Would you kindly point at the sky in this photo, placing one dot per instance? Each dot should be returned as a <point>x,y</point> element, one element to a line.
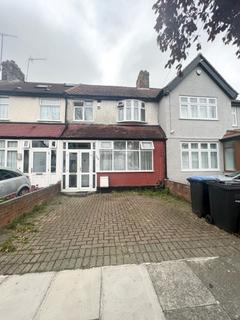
<point>96,42</point>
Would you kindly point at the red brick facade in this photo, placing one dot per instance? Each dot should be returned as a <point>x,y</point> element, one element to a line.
<point>140,179</point>
<point>179,189</point>
<point>16,207</point>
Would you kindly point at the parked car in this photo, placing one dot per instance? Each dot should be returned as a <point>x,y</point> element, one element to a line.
<point>13,182</point>
<point>229,177</point>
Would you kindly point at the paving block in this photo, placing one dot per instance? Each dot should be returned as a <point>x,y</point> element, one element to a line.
<point>177,286</point>
<point>223,280</point>
<point>21,296</point>
<point>73,295</point>
<point>127,293</point>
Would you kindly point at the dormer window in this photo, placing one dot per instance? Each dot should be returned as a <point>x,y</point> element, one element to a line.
<point>131,110</point>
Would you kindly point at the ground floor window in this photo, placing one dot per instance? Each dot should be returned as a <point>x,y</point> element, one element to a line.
<point>202,156</point>
<point>126,155</point>
<point>8,153</point>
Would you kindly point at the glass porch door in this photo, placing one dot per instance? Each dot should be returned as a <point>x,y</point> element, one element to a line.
<point>79,173</point>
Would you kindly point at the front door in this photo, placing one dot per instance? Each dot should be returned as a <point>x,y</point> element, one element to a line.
<point>79,173</point>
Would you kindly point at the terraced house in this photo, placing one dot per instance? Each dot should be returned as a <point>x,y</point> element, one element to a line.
<point>91,136</point>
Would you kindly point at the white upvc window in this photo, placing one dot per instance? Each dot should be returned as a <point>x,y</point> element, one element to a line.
<point>83,110</point>
<point>8,153</point>
<point>50,109</point>
<point>127,156</point>
<point>131,110</point>
<point>199,156</point>
<point>4,103</point>
<point>198,108</point>
<point>234,117</point>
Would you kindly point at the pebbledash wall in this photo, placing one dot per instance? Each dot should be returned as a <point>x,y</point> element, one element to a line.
<point>16,207</point>
<point>138,179</point>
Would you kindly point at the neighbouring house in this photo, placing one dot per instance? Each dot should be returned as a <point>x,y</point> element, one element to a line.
<point>93,136</point>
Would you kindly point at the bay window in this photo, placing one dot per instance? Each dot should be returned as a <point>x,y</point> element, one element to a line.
<point>4,102</point>
<point>199,156</point>
<point>201,108</point>
<point>49,109</point>
<point>126,155</point>
<point>131,110</point>
<point>83,110</point>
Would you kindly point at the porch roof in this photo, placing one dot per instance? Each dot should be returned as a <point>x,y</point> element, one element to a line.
<point>31,130</point>
<point>231,135</point>
<point>113,132</point>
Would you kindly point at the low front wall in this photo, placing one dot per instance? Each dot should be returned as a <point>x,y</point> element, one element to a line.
<point>180,189</point>
<point>16,207</point>
<point>140,179</point>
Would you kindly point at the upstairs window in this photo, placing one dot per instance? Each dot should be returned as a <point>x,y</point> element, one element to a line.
<point>131,110</point>
<point>4,108</point>
<point>198,108</point>
<point>49,109</point>
<point>234,117</point>
<point>83,110</point>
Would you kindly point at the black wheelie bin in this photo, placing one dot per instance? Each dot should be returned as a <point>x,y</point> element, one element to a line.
<point>199,194</point>
<point>225,205</point>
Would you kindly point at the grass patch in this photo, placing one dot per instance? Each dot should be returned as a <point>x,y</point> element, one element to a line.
<point>21,228</point>
<point>164,194</point>
<point>8,246</point>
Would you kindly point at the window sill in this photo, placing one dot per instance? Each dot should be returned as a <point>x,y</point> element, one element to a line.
<point>132,121</point>
<point>83,121</point>
<point>129,171</point>
<point>200,119</point>
<point>50,121</point>
<point>200,170</point>
<point>5,120</point>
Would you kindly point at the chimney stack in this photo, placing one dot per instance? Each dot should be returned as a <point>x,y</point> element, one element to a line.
<point>143,79</point>
<point>11,71</point>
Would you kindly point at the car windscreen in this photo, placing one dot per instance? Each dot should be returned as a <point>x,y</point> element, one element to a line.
<point>232,174</point>
<point>7,174</point>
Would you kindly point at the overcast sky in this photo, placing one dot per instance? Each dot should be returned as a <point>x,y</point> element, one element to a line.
<point>96,42</point>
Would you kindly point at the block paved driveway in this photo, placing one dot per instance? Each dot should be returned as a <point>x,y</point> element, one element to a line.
<point>116,228</point>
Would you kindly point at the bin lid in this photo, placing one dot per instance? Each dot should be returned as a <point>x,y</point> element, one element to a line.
<point>202,178</point>
<point>225,185</point>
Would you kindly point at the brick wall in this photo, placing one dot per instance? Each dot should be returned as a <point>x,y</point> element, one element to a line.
<point>140,179</point>
<point>180,189</point>
<point>16,207</point>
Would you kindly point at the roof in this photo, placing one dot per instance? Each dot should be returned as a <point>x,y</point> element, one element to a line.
<point>31,130</point>
<point>236,103</point>
<point>21,88</point>
<point>113,92</point>
<point>231,135</point>
<point>201,61</point>
<point>113,132</point>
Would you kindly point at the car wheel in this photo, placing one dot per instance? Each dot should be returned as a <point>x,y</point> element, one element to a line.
<point>23,191</point>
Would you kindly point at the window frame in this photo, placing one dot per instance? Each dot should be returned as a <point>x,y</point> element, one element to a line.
<point>57,105</point>
<point>124,105</point>
<point>7,149</point>
<point>234,116</point>
<point>7,108</point>
<point>83,107</point>
<point>199,150</point>
<point>198,104</point>
<point>126,150</point>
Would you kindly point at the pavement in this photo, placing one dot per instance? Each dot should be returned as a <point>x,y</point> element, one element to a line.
<point>112,229</point>
<point>189,289</point>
